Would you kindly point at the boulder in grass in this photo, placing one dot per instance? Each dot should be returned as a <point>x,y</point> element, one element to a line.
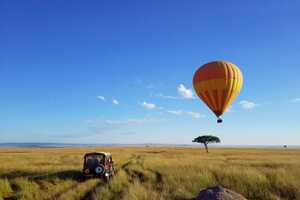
<point>219,193</point>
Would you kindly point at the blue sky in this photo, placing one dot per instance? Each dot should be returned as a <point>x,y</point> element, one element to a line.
<point>121,71</point>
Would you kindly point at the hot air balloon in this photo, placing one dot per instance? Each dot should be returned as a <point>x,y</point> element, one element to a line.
<point>217,84</point>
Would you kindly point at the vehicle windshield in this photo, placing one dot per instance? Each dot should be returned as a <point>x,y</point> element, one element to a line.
<point>94,160</point>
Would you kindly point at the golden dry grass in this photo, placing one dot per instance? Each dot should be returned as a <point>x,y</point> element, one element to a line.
<point>150,173</point>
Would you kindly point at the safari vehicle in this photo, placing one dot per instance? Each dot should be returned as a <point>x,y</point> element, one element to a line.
<point>98,165</point>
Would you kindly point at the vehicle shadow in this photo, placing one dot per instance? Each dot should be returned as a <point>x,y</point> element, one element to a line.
<point>40,176</point>
<point>62,175</point>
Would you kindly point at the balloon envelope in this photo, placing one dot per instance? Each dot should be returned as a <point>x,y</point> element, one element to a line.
<point>218,83</point>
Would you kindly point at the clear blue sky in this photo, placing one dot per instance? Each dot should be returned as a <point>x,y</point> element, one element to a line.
<point>121,71</point>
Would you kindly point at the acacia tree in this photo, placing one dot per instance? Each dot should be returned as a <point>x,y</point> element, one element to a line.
<point>206,139</point>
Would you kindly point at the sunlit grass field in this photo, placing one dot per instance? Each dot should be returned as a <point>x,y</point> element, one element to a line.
<point>150,173</point>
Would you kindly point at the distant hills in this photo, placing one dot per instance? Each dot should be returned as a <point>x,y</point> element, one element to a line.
<point>62,145</point>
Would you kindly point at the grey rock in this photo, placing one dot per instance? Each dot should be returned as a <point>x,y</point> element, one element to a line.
<point>219,193</point>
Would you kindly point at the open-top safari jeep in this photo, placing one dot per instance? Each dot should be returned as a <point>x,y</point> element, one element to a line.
<point>98,165</point>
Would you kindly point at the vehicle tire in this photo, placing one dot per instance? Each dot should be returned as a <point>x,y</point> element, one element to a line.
<point>82,178</point>
<point>112,173</point>
<point>106,178</point>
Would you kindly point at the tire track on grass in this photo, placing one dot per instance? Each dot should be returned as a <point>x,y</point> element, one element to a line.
<point>73,187</point>
<point>140,176</point>
<point>89,195</point>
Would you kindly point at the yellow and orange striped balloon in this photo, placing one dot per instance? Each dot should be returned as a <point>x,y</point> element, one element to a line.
<point>218,83</point>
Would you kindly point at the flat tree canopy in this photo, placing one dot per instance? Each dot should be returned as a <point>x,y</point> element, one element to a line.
<point>206,139</point>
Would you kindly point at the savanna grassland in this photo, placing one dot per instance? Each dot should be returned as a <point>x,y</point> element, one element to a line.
<point>150,173</point>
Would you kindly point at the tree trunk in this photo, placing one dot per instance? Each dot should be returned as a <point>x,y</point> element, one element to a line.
<point>206,148</point>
